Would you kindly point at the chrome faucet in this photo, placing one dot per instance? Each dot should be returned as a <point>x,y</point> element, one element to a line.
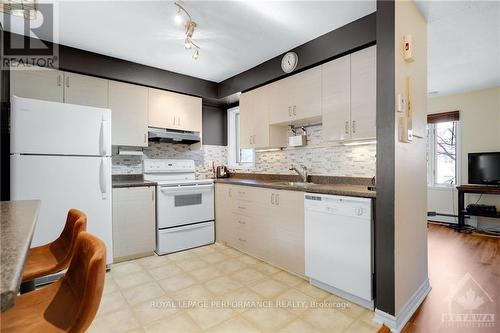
<point>303,174</point>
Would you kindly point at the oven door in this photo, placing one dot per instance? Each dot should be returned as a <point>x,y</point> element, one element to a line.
<point>179,205</point>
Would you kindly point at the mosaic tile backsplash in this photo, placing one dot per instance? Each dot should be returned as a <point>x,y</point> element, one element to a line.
<point>319,157</point>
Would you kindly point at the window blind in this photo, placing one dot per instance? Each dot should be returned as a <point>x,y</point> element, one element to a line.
<point>443,116</point>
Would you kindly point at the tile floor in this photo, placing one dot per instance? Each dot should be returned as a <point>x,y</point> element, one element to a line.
<point>218,289</point>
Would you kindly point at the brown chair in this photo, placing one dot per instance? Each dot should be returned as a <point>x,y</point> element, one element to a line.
<point>69,304</point>
<point>56,256</point>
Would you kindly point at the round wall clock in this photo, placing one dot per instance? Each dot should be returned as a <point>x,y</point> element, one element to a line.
<point>289,62</point>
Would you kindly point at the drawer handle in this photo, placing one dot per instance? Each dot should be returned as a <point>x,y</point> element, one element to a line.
<point>242,240</point>
<point>272,198</point>
<point>239,207</point>
<point>347,127</point>
<point>242,222</point>
<point>241,193</point>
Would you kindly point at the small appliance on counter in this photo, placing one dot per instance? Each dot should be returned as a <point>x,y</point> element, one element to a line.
<point>184,205</point>
<point>222,172</point>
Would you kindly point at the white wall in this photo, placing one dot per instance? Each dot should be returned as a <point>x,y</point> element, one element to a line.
<point>410,202</point>
<point>479,132</point>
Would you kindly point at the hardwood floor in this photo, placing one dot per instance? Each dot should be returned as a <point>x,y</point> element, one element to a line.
<point>452,257</point>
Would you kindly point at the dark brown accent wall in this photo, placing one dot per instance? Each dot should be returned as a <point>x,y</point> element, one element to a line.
<point>346,39</point>
<point>384,212</point>
<point>214,124</point>
<point>4,132</point>
<point>94,64</point>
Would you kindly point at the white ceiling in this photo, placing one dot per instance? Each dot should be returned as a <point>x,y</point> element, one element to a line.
<point>463,36</point>
<point>463,45</point>
<point>233,35</point>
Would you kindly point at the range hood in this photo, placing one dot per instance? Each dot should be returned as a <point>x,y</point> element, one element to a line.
<point>173,136</point>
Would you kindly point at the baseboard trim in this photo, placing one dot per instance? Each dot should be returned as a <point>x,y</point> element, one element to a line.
<point>398,322</point>
<point>350,297</point>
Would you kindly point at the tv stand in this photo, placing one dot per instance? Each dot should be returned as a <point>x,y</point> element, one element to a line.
<point>479,189</point>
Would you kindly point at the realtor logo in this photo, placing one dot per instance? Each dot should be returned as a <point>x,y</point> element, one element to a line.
<point>20,52</point>
<point>469,305</point>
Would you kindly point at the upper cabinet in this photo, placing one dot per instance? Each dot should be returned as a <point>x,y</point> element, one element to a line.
<point>336,92</point>
<point>45,84</point>
<point>85,90</point>
<point>129,111</point>
<point>297,98</point>
<point>349,97</point>
<point>174,111</point>
<point>255,131</point>
<point>58,86</point>
<point>364,93</point>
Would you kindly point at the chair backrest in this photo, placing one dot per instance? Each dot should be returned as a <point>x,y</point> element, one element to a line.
<point>85,277</point>
<point>76,222</point>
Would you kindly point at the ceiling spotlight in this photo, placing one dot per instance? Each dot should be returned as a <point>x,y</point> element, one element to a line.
<point>196,54</point>
<point>190,27</point>
<point>178,16</point>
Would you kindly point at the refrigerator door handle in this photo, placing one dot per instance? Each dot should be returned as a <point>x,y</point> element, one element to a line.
<point>102,177</point>
<point>104,137</point>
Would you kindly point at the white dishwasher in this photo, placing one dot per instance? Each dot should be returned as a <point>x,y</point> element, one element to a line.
<point>339,247</point>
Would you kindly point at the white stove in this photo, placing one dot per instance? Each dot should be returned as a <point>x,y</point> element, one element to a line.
<point>184,205</point>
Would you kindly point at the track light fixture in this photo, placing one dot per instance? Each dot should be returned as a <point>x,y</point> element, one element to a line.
<point>190,26</point>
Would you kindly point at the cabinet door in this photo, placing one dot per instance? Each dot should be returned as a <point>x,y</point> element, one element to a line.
<point>247,119</point>
<point>280,101</point>
<point>223,225</point>
<point>44,84</point>
<point>129,111</point>
<point>305,93</point>
<point>363,93</point>
<point>85,90</point>
<point>159,113</point>
<point>286,233</point>
<point>133,221</point>
<point>336,97</point>
<point>260,117</point>
<point>188,113</point>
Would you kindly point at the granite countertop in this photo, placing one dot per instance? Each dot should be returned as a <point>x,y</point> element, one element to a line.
<point>17,224</point>
<point>130,181</point>
<point>347,186</point>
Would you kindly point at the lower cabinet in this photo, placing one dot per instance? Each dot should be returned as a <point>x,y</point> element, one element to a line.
<point>133,222</point>
<point>266,223</point>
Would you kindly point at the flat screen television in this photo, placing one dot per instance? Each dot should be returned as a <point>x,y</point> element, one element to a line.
<point>484,168</point>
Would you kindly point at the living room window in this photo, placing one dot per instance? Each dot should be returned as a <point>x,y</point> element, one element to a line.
<point>442,149</point>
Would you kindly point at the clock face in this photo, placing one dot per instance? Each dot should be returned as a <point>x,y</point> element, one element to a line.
<point>289,62</point>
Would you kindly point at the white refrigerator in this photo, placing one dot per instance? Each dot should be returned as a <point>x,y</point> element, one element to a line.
<point>61,155</point>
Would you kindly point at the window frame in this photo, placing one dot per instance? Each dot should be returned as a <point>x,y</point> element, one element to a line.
<point>233,141</point>
<point>431,151</point>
